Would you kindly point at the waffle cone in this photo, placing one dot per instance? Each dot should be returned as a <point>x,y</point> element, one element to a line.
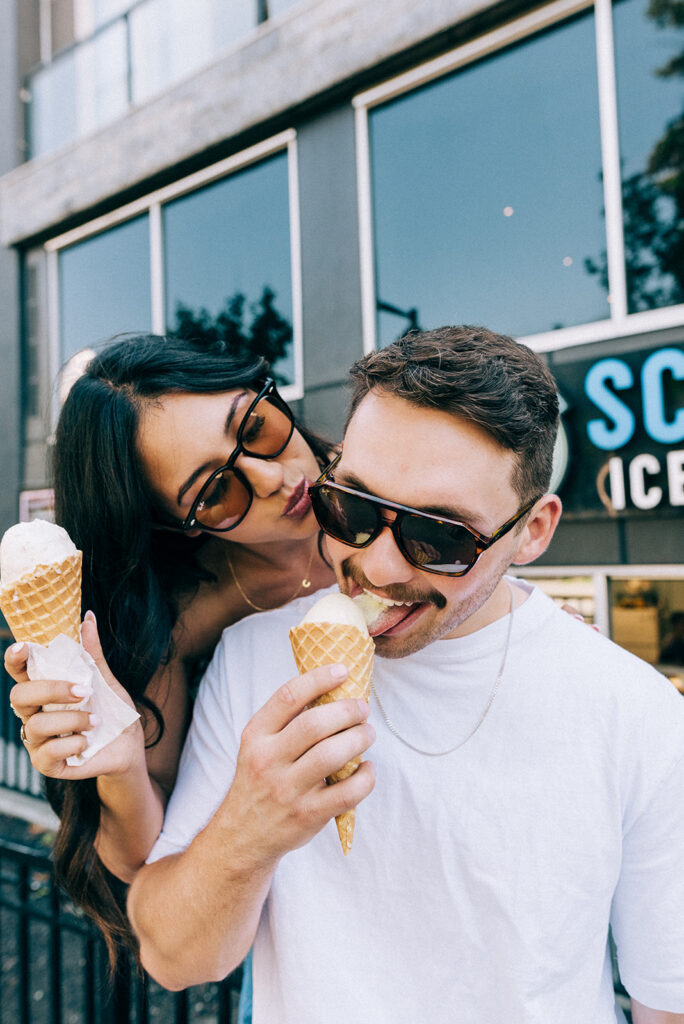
<point>325,643</point>
<point>41,605</point>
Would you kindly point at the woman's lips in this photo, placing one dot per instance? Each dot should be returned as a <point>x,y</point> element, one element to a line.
<point>299,502</point>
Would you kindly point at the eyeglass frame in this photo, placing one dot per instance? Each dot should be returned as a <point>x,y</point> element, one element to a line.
<point>482,542</point>
<point>268,391</point>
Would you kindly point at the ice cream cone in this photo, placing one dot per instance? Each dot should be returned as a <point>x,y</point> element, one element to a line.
<point>324,643</point>
<point>45,602</point>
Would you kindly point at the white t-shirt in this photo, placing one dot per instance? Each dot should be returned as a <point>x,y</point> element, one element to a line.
<point>481,884</point>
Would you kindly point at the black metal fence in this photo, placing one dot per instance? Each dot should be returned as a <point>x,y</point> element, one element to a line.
<point>53,964</point>
<point>16,770</point>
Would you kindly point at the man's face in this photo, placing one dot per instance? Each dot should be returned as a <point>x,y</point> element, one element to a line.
<point>439,463</point>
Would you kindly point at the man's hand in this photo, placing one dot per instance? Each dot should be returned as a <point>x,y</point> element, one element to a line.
<point>279,795</point>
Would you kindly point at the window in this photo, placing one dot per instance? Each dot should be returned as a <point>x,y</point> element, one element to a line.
<point>171,39</point>
<point>648,56</point>
<point>215,255</point>
<point>487,194</point>
<point>227,262</point>
<point>104,286</point>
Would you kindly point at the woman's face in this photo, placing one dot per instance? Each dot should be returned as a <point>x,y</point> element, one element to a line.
<point>183,438</point>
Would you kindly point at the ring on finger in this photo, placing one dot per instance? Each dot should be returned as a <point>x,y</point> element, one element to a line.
<point>22,735</point>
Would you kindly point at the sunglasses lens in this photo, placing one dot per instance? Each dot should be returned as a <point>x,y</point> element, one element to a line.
<point>267,429</point>
<point>441,547</point>
<point>346,517</point>
<point>223,502</point>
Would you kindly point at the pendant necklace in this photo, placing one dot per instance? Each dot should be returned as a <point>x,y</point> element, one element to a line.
<point>304,584</point>
<point>490,700</point>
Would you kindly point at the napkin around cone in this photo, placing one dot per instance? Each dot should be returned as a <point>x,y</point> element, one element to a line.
<point>63,658</point>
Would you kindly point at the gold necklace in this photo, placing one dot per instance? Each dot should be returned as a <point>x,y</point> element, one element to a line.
<point>442,753</point>
<point>304,584</point>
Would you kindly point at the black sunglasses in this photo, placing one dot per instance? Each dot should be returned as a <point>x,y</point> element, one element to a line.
<point>431,543</point>
<point>226,496</point>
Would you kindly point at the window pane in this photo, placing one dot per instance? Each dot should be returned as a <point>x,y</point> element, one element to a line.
<point>104,285</point>
<point>487,195</point>
<point>82,89</point>
<point>171,39</point>
<point>651,124</point>
<point>227,260</point>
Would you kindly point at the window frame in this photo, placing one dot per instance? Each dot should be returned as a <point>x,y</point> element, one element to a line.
<point>619,323</point>
<point>152,204</point>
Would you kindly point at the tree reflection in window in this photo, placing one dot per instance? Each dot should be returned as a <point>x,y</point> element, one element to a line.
<point>653,199</point>
<point>267,334</point>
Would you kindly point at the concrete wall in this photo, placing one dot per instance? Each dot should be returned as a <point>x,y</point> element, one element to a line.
<point>10,379</point>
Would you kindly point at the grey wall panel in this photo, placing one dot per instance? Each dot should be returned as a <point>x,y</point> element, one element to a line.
<point>330,265</point>
<point>10,386</point>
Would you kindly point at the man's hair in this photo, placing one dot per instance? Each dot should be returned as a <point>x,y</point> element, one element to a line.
<point>488,379</point>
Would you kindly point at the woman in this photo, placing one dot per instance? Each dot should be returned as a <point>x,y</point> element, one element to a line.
<point>180,474</point>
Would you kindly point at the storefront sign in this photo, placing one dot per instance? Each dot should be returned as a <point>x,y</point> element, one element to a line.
<point>625,423</point>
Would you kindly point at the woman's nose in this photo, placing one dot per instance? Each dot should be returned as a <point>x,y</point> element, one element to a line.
<point>265,475</point>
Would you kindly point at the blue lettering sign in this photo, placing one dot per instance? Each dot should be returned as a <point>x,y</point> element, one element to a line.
<point>618,432</point>
<point>655,419</point>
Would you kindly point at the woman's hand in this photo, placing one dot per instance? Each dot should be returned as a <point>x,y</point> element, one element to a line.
<point>50,737</point>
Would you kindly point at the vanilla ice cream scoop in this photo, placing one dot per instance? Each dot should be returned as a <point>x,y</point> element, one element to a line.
<point>338,609</point>
<point>27,545</point>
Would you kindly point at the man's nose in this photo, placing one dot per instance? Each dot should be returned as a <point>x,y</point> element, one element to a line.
<point>264,475</point>
<point>382,562</point>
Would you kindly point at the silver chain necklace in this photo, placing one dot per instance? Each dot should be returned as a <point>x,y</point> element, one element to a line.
<point>442,753</point>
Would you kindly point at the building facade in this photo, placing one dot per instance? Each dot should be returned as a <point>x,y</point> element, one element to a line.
<point>314,178</point>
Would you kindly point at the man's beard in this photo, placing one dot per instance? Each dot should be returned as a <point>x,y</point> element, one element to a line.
<point>416,639</point>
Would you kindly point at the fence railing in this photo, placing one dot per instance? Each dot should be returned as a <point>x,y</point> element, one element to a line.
<point>16,770</point>
<point>53,963</point>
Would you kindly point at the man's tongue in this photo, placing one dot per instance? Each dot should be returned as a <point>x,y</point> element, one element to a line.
<point>389,617</point>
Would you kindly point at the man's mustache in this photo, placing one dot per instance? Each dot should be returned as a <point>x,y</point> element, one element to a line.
<point>395,591</point>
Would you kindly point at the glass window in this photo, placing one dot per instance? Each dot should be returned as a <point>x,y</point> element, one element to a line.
<point>104,286</point>
<point>647,618</point>
<point>276,7</point>
<point>80,91</point>
<point>171,39</point>
<point>649,49</point>
<point>106,10</point>
<point>487,193</point>
<point>227,262</point>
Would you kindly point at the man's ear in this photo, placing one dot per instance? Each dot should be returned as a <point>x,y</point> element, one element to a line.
<point>538,530</point>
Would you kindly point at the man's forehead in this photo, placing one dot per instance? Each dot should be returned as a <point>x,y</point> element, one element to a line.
<point>425,457</point>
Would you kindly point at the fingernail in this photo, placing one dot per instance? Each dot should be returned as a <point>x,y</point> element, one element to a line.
<point>94,720</point>
<point>363,706</point>
<point>90,617</point>
<point>338,671</point>
<point>81,690</point>
<point>88,736</point>
<point>580,618</point>
<point>16,648</point>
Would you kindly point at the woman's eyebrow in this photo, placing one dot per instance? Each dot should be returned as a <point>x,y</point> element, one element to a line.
<point>183,489</point>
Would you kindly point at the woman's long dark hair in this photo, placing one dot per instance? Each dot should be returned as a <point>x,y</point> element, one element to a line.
<point>132,573</point>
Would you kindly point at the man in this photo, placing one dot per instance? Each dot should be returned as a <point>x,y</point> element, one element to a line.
<point>527,789</point>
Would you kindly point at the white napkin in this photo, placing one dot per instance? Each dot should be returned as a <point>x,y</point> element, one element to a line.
<point>63,658</point>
